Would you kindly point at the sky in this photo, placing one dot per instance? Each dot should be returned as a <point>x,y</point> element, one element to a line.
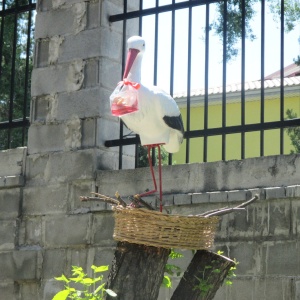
<point>253,64</point>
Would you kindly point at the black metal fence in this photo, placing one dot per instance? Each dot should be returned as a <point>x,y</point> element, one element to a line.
<point>233,28</point>
<point>16,48</point>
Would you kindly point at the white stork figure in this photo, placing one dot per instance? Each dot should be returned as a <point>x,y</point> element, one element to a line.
<point>158,120</point>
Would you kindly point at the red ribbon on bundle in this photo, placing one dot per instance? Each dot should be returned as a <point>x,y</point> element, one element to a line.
<point>133,84</point>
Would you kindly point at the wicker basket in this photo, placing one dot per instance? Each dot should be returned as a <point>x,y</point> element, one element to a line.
<point>151,228</point>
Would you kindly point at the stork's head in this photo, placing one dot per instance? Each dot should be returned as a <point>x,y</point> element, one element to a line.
<point>136,46</point>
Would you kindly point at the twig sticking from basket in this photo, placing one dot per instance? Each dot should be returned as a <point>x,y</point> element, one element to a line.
<point>137,202</point>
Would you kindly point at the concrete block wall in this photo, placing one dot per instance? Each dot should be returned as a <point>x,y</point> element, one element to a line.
<point>45,228</point>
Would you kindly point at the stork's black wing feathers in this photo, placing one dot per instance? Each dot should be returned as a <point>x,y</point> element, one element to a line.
<point>174,122</point>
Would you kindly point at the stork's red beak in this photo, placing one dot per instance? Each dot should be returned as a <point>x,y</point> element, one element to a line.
<point>131,56</point>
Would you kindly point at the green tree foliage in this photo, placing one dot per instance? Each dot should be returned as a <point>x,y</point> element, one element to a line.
<point>293,132</point>
<point>234,21</point>
<point>15,73</point>
<point>143,156</point>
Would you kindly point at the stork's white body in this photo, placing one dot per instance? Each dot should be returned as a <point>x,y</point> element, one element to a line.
<point>158,120</point>
<point>148,121</point>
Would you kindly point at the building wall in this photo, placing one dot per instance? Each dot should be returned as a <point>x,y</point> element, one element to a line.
<point>45,228</point>
<point>233,118</point>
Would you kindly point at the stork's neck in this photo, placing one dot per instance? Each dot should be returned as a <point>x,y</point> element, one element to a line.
<point>135,71</point>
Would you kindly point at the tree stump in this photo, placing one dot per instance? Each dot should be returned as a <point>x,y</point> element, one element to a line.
<point>137,271</point>
<point>203,277</point>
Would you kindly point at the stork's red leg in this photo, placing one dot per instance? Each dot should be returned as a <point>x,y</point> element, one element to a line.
<point>153,176</point>
<point>160,179</point>
<point>152,172</point>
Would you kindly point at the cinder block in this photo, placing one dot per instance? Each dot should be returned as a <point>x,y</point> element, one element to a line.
<point>30,232</point>
<point>111,44</point>
<point>200,198</point>
<point>8,232</point>
<point>84,45</point>
<point>54,22</point>
<point>83,188</point>
<point>103,229</point>
<point>279,214</point>
<point>10,203</point>
<point>42,53</point>
<point>91,73</point>
<point>65,230</point>
<point>7,290</point>
<point>273,288</point>
<point>109,129</point>
<point>293,191</point>
<point>73,134</point>
<point>12,161</point>
<point>279,262</point>
<point>42,200</point>
<point>88,132</point>
<point>260,192</point>
<point>11,181</point>
<point>39,138</point>
<point>218,197</point>
<point>54,262</point>
<point>18,265</point>
<point>182,199</point>
<point>238,195</point>
<point>58,167</point>
<point>275,193</point>
<point>83,103</point>
<point>29,290</point>
<point>110,73</point>
<point>110,8</point>
<point>241,224</point>
<point>168,200</point>
<point>57,79</point>
<point>101,256</point>
<point>44,5</point>
<point>93,14</point>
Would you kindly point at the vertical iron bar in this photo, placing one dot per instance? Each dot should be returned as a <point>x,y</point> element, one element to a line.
<point>188,104</point>
<point>262,77</point>
<point>224,79</point>
<point>155,63</point>
<point>137,152</point>
<point>123,66</point>
<point>206,82</point>
<point>140,18</point>
<point>172,62</point>
<point>243,79</point>
<point>12,78</point>
<point>28,46</point>
<point>281,74</point>
<point>1,37</point>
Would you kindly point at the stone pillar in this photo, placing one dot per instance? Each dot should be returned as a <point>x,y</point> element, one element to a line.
<point>77,65</point>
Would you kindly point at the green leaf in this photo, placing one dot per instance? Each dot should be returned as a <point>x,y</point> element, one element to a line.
<point>100,269</point>
<point>111,293</point>
<point>228,282</point>
<point>167,282</point>
<point>62,295</point>
<point>87,281</point>
<point>62,278</point>
<point>173,254</point>
<point>99,288</point>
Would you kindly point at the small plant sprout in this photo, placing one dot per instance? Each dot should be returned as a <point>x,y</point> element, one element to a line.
<point>171,269</point>
<point>80,286</point>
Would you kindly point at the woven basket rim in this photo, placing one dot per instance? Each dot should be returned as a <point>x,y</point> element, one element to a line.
<point>159,214</point>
